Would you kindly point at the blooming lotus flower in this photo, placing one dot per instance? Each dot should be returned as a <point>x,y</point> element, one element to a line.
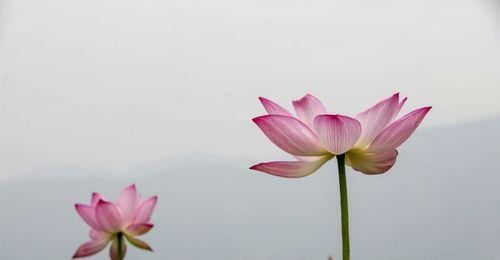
<point>369,140</point>
<point>112,222</point>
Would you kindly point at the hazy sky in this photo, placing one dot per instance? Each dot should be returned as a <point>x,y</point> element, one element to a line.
<point>161,93</point>
<point>112,84</point>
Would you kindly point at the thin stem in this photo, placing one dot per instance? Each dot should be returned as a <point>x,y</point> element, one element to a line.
<point>344,207</point>
<point>119,237</point>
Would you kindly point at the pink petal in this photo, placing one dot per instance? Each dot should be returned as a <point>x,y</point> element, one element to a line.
<point>376,118</point>
<point>138,243</point>
<point>291,135</point>
<point>128,201</point>
<point>307,158</point>
<point>399,131</point>
<point>95,198</point>
<point>90,248</point>
<point>294,169</point>
<point>113,250</point>
<point>273,108</point>
<point>371,163</point>
<point>399,107</point>
<point>307,108</point>
<point>95,234</point>
<point>143,213</point>
<point>108,215</point>
<point>139,229</point>
<point>338,133</point>
<point>87,213</point>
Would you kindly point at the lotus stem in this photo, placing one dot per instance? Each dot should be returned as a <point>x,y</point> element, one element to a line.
<point>119,237</point>
<point>344,207</point>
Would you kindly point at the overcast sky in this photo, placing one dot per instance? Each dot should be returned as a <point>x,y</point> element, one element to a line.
<point>112,84</point>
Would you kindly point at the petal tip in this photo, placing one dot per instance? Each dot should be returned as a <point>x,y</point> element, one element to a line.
<point>131,187</point>
<point>260,168</point>
<point>402,102</point>
<point>102,202</point>
<point>304,98</point>
<point>395,97</point>
<point>255,167</point>
<point>258,119</point>
<point>95,197</point>
<point>337,117</point>
<point>424,110</point>
<point>77,254</point>
<point>79,206</point>
<point>153,200</point>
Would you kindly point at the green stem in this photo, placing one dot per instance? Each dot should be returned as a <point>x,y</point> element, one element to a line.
<point>119,237</point>
<point>344,207</point>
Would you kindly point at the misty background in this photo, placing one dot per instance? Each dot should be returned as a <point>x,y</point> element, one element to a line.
<point>95,95</point>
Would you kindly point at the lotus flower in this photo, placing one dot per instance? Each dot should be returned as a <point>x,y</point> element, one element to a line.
<point>112,222</point>
<point>369,140</point>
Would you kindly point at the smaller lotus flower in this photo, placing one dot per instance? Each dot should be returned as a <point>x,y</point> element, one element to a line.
<point>114,222</point>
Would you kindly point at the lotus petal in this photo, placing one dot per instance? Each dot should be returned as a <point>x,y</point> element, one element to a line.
<point>399,131</point>
<point>273,108</point>
<point>292,169</point>
<point>291,135</point>
<point>90,248</point>
<point>337,133</point>
<point>109,216</point>
<point>307,108</point>
<point>376,118</point>
<point>371,163</point>
<point>143,213</point>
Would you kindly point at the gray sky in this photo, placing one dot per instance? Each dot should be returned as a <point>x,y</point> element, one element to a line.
<point>112,84</point>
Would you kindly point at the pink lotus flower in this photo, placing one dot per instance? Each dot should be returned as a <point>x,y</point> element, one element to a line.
<point>369,140</point>
<point>112,222</point>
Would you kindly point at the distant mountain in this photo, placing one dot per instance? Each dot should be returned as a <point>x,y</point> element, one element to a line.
<point>440,201</point>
